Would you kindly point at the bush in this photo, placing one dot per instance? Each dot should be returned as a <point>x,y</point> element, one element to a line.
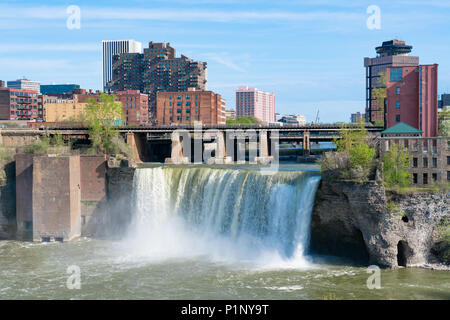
<point>395,167</point>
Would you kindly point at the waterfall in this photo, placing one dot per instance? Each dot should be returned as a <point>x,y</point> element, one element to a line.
<point>224,214</point>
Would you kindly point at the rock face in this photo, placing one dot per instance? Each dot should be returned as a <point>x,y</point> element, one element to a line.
<point>352,219</point>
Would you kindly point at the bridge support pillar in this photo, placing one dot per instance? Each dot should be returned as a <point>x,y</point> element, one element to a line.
<point>176,156</point>
<point>220,156</point>
<point>264,157</point>
<point>306,143</point>
<point>135,146</point>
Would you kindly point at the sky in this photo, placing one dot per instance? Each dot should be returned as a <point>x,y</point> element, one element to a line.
<point>308,52</point>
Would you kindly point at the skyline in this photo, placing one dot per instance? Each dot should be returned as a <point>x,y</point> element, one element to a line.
<point>253,43</point>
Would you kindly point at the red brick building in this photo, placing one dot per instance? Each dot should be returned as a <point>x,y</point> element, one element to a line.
<point>412,97</point>
<point>135,106</point>
<point>190,106</point>
<point>20,104</point>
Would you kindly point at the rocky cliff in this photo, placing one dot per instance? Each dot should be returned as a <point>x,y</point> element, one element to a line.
<point>364,222</point>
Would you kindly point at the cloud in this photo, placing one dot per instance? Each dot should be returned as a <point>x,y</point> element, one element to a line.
<point>225,60</point>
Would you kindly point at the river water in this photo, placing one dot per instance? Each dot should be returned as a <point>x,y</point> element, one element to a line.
<point>207,233</point>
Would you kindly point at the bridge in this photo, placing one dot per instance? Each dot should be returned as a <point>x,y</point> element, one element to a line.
<point>158,143</point>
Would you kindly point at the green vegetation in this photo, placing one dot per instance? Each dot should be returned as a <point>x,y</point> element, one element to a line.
<point>355,158</point>
<point>444,122</point>
<point>102,117</point>
<point>42,146</point>
<point>243,120</point>
<point>394,208</point>
<point>395,167</point>
<point>444,232</point>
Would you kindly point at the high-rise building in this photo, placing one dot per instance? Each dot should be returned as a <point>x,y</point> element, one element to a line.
<point>445,100</point>
<point>394,53</point>
<point>157,69</point>
<point>412,97</point>
<point>25,84</point>
<point>112,47</point>
<point>250,102</point>
<point>190,106</point>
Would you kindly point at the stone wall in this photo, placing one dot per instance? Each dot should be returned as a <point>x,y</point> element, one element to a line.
<point>7,195</point>
<point>353,220</point>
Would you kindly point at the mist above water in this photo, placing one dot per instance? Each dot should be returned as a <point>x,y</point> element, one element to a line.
<point>224,215</point>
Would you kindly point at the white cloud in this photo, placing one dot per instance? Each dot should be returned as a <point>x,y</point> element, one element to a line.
<point>225,60</point>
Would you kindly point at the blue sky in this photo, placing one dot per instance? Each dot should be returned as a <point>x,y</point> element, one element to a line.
<point>309,53</point>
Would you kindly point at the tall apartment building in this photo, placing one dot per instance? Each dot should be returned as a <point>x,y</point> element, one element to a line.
<point>190,106</point>
<point>25,84</point>
<point>412,97</point>
<point>112,47</point>
<point>157,69</point>
<point>394,53</point>
<point>135,106</point>
<point>20,104</point>
<point>250,102</point>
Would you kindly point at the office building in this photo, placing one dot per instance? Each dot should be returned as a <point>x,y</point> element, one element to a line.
<point>54,89</point>
<point>20,104</point>
<point>112,47</point>
<point>250,102</point>
<point>175,107</point>
<point>25,84</point>
<point>412,98</point>
<point>157,69</point>
<point>394,53</point>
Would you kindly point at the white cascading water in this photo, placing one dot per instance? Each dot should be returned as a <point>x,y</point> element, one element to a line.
<point>222,214</point>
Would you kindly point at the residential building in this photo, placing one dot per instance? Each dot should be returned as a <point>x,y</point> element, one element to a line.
<point>394,53</point>
<point>54,89</point>
<point>157,69</point>
<point>445,100</point>
<point>25,84</point>
<point>230,114</point>
<point>135,106</point>
<point>20,104</point>
<point>175,107</point>
<point>250,102</point>
<point>357,117</point>
<point>412,97</point>
<point>112,47</point>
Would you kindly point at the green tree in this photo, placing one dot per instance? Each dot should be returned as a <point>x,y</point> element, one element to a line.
<point>444,122</point>
<point>102,117</point>
<point>396,165</point>
<point>350,137</point>
<point>243,120</point>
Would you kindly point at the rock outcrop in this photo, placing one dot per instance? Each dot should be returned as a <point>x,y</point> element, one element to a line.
<point>356,220</point>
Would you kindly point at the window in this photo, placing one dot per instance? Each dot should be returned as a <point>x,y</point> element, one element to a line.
<point>178,110</point>
<point>434,162</point>
<point>179,103</point>
<point>188,110</point>
<point>448,175</point>
<point>196,104</point>
<point>170,103</point>
<point>397,118</point>
<point>434,177</point>
<point>178,97</point>
<point>397,90</point>
<point>188,97</point>
<point>415,178</point>
<point>425,178</point>
<point>396,74</point>
<point>448,160</point>
<point>187,118</point>
<point>425,162</point>
<point>188,103</point>
<point>397,104</point>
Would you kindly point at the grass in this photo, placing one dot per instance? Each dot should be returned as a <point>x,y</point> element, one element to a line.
<point>433,188</point>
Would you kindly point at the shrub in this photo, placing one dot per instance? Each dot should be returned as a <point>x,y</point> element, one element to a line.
<point>395,167</point>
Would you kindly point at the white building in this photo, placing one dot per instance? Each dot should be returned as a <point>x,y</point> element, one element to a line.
<point>25,84</point>
<point>112,47</point>
<point>250,102</point>
<point>293,119</point>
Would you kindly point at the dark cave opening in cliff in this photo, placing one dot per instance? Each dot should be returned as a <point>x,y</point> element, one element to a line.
<point>403,252</point>
<point>405,219</point>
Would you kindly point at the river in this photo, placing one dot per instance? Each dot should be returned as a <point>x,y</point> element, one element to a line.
<point>208,233</point>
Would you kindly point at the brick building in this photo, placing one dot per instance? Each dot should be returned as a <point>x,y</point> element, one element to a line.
<point>135,106</point>
<point>20,104</point>
<point>190,106</point>
<point>251,102</point>
<point>412,97</point>
<point>394,53</point>
<point>63,110</point>
<point>157,69</point>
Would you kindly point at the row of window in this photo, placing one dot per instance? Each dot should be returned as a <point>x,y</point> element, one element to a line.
<point>188,118</point>
<point>24,94</point>
<point>188,104</point>
<point>187,97</point>
<point>29,112</point>
<point>187,110</point>
<point>425,162</point>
